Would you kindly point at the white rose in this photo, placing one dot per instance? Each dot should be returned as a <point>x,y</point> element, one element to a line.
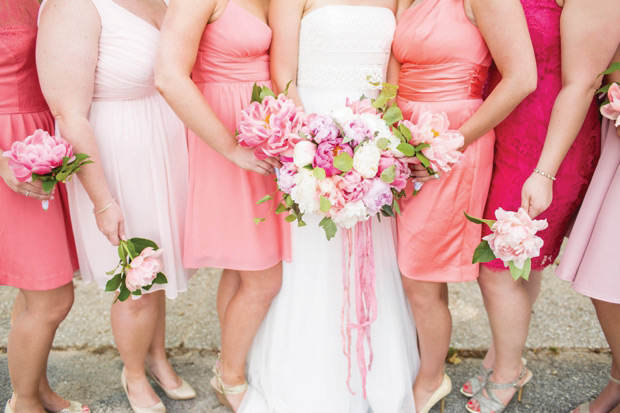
<point>351,214</point>
<point>366,160</point>
<point>305,191</point>
<point>303,154</point>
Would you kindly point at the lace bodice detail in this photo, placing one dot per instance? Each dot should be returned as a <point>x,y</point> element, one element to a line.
<point>342,46</point>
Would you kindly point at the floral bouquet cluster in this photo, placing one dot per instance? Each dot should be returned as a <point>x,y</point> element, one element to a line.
<point>513,240</point>
<point>611,106</point>
<point>140,268</point>
<point>41,157</point>
<point>430,142</point>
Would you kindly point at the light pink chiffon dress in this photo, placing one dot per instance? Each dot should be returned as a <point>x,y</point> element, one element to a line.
<point>220,230</point>
<point>37,251</point>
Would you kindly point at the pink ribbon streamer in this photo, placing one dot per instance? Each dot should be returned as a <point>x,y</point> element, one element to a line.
<point>365,297</point>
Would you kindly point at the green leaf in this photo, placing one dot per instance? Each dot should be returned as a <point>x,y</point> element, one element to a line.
<point>113,283</point>
<point>300,222</point>
<point>388,211</point>
<point>399,135</point>
<point>396,207</point>
<point>406,149</point>
<point>48,186</point>
<point>343,162</point>
<point>425,161</point>
<point>111,272</point>
<point>265,91</point>
<point>132,250</point>
<point>475,220</point>
<point>160,279</point>
<point>281,208</point>
<point>406,132</point>
<point>288,200</point>
<point>380,101</point>
<point>383,143</point>
<point>393,115</point>
<point>329,227</point>
<point>389,174</point>
<point>483,253</point>
<point>319,173</point>
<point>264,199</point>
<point>137,292</point>
<point>290,218</point>
<point>520,273</point>
<point>325,204</point>
<point>259,220</point>
<point>285,92</point>
<point>612,68</point>
<point>256,93</point>
<point>604,89</point>
<point>124,293</point>
<point>421,146</point>
<point>122,253</point>
<point>140,244</point>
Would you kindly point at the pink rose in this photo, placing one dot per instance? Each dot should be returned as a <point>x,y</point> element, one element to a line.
<point>322,128</point>
<point>378,195</point>
<point>143,269</point>
<point>39,153</point>
<point>361,106</point>
<point>326,152</point>
<point>356,131</point>
<point>612,109</point>
<point>353,186</point>
<point>514,236</point>
<point>401,170</point>
<point>286,178</point>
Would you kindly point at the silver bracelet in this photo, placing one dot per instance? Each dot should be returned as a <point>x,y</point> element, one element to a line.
<point>545,174</point>
<point>105,208</point>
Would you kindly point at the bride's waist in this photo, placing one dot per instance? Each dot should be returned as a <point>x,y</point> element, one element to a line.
<point>353,71</point>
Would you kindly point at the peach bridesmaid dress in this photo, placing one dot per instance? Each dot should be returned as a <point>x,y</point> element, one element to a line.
<point>220,230</point>
<point>37,251</point>
<point>445,62</point>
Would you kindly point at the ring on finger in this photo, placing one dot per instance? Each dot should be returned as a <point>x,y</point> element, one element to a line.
<point>27,193</point>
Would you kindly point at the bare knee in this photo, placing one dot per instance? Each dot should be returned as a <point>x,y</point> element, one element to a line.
<point>264,290</point>
<point>50,307</point>
<point>135,308</point>
<point>424,296</point>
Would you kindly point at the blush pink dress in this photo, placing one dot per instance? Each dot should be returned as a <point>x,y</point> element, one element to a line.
<point>220,230</point>
<point>445,62</point>
<point>37,251</point>
<point>520,137</point>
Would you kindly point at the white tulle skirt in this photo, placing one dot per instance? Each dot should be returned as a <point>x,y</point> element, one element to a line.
<point>297,363</point>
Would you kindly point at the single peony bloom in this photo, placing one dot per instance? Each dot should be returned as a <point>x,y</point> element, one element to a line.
<point>39,153</point>
<point>366,160</point>
<point>286,179</point>
<point>401,170</point>
<point>328,187</point>
<point>143,269</point>
<point>342,115</point>
<point>378,195</point>
<point>304,153</point>
<point>357,131</point>
<point>322,128</point>
<point>326,152</point>
<point>444,151</point>
<point>429,126</point>
<point>612,109</point>
<point>361,106</point>
<point>306,191</point>
<point>514,236</point>
<point>351,214</point>
<point>353,186</point>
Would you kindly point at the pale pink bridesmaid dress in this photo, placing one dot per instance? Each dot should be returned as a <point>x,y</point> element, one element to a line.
<point>220,230</point>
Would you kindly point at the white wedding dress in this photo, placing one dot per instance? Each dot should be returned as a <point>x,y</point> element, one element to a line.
<point>297,362</point>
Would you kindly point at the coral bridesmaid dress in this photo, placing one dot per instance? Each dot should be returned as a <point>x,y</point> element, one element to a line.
<point>590,258</point>
<point>445,62</point>
<point>220,231</point>
<point>37,251</point>
<point>519,140</point>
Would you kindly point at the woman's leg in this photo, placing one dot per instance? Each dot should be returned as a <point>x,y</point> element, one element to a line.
<point>30,340</point>
<point>429,305</point>
<point>509,308</point>
<point>134,323</point>
<point>244,315</point>
<point>230,282</point>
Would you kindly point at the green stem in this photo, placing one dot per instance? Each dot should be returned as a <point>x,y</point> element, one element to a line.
<point>124,244</point>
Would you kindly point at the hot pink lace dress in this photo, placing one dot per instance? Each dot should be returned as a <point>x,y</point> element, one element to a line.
<point>520,137</point>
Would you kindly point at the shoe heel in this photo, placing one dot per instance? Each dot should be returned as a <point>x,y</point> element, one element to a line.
<point>223,400</point>
<point>442,405</point>
<point>520,394</point>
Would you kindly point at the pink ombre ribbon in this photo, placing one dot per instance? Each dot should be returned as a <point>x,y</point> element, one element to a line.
<point>365,297</point>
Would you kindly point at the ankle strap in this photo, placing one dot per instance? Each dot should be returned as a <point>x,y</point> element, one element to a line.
<point>503,386</point>
<point>613,379</point>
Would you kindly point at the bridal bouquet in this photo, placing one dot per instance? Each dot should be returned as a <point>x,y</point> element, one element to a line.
<point>430,142</point>
<point>140,268</point>
<point>347,167</point>
<point>611,106</point>
<point>46,158</point>
<point>513,240</point>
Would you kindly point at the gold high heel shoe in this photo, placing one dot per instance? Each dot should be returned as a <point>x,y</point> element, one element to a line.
<point>183,392</point>
<point>222,390</point>
<point>158,408</point>
<point>439,396</point>
<point>490,402</point>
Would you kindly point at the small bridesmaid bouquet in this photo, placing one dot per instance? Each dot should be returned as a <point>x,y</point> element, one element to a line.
<point>611,107</point>
<point>271,125</point>
<point>513,240</point>
<point>44,157</point>
<point>140,268</point>
<point>432,143</point>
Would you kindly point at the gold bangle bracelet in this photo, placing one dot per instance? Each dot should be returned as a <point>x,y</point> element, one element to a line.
<point>105,208</point>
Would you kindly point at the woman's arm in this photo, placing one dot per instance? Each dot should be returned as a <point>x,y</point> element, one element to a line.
<point>285,20</point>
<point>178,47</point>
<point>590,35</point>
<point>503,26</point>
<point>67,50</point>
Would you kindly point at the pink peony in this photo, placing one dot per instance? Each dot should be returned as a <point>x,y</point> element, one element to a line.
<point>356,131</point>
<point>361,106</point>
<point>286,179</point>
<point>326,152</point>
<point>444,151</point>
<point>514,236</point>
<point>322,128</point>
<point>429,126</point>
<point>143,269</point>
<point>353,186</point>
<point>401,170</point>
<point>328,188</point>
<point>39,153</point>
<point>271,127</point>
<point>612,109</point>
<point>378,195</point>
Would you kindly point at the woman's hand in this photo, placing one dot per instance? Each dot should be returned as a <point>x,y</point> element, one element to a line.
<point>244,158</point>
<point>31,190</point>
<point>420,174</point>
<point>111,223</point>
<point>536,194</point>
